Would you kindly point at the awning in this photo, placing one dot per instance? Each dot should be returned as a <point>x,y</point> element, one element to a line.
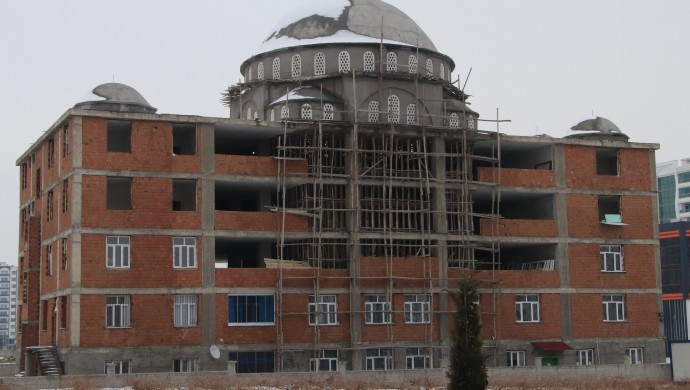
<point>551,345</point>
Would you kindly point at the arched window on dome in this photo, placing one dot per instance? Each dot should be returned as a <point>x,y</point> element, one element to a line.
<point>273,115</point>
<point>454,121</point>
<point>260,71</point>
<point>393,109</point>
<point>442,72</point>
<point>411,114</point>
<point>284,112</point>
<point>306,111</point>
<point>369,62</point>
<point>276,68</point>
<point>319,64</point>
<point>328,112</point>
<point>344,62</point>
<point>412,64</point>
<point>249,113</point>
<point>249,76</point>
<point>391,62</point>
<point>296,65</point>
<point>373,111</point>
<point>429,67</point>
<point>470,122</point>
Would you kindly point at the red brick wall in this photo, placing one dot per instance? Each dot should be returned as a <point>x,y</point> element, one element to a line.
<point>638,266</point>
<point>151,206</point>
<point>519,228</point>
<point>399,330</point>
<point>151,323</point>
<point>296,328</point>
<point>151,264</point>
<point>641,310</point>
<point>259,221</point>
<point>583,217</point>
<point>240,334</point>
<point>634,171</point>
<point>517,177</point>
<point>258,166</point>
<point>151,149</point>
<point>509,279</point>
<point>548,327</point>
<point>407,272</point>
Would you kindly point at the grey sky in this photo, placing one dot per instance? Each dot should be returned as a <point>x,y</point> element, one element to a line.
<point>546,64</point>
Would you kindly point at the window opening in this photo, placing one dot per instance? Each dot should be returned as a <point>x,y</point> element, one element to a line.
<point>614,307</point>
<point>391,62</point>
<point>344,62</point>
<point>49,206</point>
<point>49,260</point>
<point>527,308</point>
<point>429,67</point>
<point>119,193</point>
<point>51,152</point>
<point>253,361</point>
<point>63,312</point>
<point>328,112</point>
<point>323,311</point>
<point>296,65</point>
<point>65,195</point>
<point>117,311</point>
<point>276,68</point>
<point>610,209</point>
<point>470,122</point>
<point>607,161</point>
<point>65,141</point>
<point>184,195</point>
<point>184,138</point>
<point>119,136</point>
<point>25,179</point>
<point>442,71</point>
<point>185,311</point>
<point>611,258</point>
<point>117,250</point>
<point>260,71</point>
<point>454,121</point>
<point>306,111</point>
<point>393,109</point>
<point>64,254</point>
<point>184,252</point>
<point>319,64</point>
<point>326,360</point>
<point>412,64</point>
<point>373,111</point>
<point>411,114</point>
<point>369,62</point>
<point>376,310</point>
<point>273,115</point>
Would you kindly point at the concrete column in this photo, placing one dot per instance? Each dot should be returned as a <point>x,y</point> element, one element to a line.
<point>354,250</point>
<point>208,241</point>
<point>232,367</point>
<point>440,226</point>
<point>561,215</point>
<point>74,250</point>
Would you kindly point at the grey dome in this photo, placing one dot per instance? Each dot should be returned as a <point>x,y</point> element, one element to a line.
<point>115,97</point>
<point>346,21</point>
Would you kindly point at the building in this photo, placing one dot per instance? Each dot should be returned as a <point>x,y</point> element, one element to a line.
<point>322,224</point>
<point>8,306</point>
<point>674,190</point>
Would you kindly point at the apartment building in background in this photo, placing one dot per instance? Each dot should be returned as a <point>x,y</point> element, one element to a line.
<point>8,306</point>
<point>321,226</point>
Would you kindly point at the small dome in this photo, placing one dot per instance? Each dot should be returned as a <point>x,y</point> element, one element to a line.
<point>596,128</point>
<point>346,21</point>
<point>115,97</point>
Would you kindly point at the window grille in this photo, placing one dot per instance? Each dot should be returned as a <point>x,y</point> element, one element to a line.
<point>412,66</point>
<point>276,68</point>
<point>393,109</point>
<point>411,114</point>
<point>429,67</point>
<point>319,64</point>
<point>391,62</point>
<point>260,71</point>
<point>454,121</point>
<point>296,65</point>
<point>373,111</point>
<point>369,62</point>
<point>306,111</point>
<point>328,112</point>
<point>344,62</point>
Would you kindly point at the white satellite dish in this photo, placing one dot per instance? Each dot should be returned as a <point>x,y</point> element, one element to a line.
<point>215,352</point>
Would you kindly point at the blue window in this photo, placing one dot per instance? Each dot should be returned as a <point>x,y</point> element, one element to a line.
<point>251,309</point>
<point>249,362</point>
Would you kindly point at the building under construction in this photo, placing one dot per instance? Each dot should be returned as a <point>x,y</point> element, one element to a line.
<point>321,226</point>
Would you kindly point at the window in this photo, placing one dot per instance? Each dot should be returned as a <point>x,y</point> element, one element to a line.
<point>417,308</point>
<point>412,64</point>
<point>377,310</point>
<point>249,113</point>
<point>614,307</point>
<point>326,360</point>
<point>117,311</point>
<point>634,355</point>
<point>249,74</point>
<point>38,184</point>
<point>184,252</point>
<point>607,161</point>
<point>391,62</point>
<point>117,252</point>
<point>319,64</point>
<point>442,71</point>
<point>184,139</point>
<point>527,308</point>
<point>609,209</point>
<point>64,254</point>
<point>49,259</point>
<point>429,67</point>
<point>684,177</point>
<point>470,122</point>
<point>344,62</point>
<point>417,358</point>
<point>393,109</point>
<point>296,65</point>
<point>65,196</point>
<point>411,114</point>
<point>276,68</point>
<point>584,357</point>
<point>119,136</point>
<point>119,193</point>
<point>328,112</point>
<point>515,358</point>
<point>185,310</point>
<point>44,315</point>
<point>454,121</point>
<point>51,152</point>
<point>251,310</point>
<point>186,365</point>
<point>63,312</point>
<point>611,257</point>
<point>260,71</point>
<point>373,111</point>
<point>684,192</point>
<point>49,206</point>
<point>379,359</point>
<point>284,112</point>
<point>253,361</point>
<point>121,366</point>
<point>25,174</point>
<point>65,141</point>
<point>323,310</point>
<point>369,62</point>
<point>184,195</point>
<point>306,111</point>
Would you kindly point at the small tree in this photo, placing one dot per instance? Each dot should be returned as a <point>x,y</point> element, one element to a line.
<point>467,369</point>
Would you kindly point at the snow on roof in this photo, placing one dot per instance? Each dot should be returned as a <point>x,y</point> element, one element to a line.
<point>328,9</point>
<point>305,93</point>
<point>342,36</point>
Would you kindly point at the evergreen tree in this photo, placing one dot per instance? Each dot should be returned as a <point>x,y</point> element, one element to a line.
<point>467,369</point>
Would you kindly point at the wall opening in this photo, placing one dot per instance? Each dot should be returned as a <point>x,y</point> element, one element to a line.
<point>119,193</point>
<point>243,254</point>
<point>233,198</point>
<point>184,195</point>
<point>607,161</point>
<point>609,208</point>
<point>184,138</point>
<point>119,136</point>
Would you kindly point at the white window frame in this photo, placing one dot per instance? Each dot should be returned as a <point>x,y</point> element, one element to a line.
<point>515,358</point>
<point>324,360</point>
<point>117,252</point>
<point>184,252</point>
<point>613,307</point>
<point>117,311</point>
<point>634,355</point>
<point>319,64</point>
<point>343,62</point>
<point>296,65</point>
<point>186,365</point>
<point>391,62</point>
<point>417,358</point>
<point>412,64</point>
<point>369,61</point>
<point>323,310</point>
<point>611,258</point>
<point>584,357</point>
<point>184,310</point>
<point>527,308</point>
<point>377,309</point>
<point>121,366</point>
<point>417,308</point>
<point>306,111</point>
<point>379,357</point>
<point>276,68</point>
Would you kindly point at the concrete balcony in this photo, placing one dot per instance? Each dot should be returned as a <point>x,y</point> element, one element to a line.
<point>519,228</point>
<point>259,221</point>
<point>517,177</point>
<point>258,166</point>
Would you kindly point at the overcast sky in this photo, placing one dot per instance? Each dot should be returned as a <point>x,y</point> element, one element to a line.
<point>546,64</point>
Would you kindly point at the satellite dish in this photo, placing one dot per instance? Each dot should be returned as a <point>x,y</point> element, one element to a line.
<point>215,352</point>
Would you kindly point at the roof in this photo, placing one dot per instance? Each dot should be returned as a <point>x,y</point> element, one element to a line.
<point>307,93</point>
<point>551,345</point>
<point>115,97</point>
<point>345,21</point>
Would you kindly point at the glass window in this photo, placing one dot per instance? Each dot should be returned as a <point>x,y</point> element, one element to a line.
<point>117,311</point>
<point>379,359</point>
<point>584,357</point>
<point>184,252</point>
<point>251,310</point>
<point>527,308</point>
<point>417,308</point>
<point>515,358</point>
<point>323,310</point>
<point>185,311</point>
<point>186,365</point>
<point>614,307</point>
<point>326,360</point>
<point>117,252</point>
<point>635,355</point>
<point>684,177</point>
<point>253,361</point>
<point>611,258</point>
<point>442,71</point>
<point>417,358</point>
<point>121,366</point>
<point>377,309</point>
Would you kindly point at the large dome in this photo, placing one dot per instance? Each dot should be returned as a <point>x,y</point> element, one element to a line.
<point>346,21</point>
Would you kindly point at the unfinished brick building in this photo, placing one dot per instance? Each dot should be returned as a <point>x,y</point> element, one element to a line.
<point>321,226</point>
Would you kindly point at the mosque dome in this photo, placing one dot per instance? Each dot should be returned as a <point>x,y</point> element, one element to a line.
<point>115,97</point>
<point>346,21</point>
